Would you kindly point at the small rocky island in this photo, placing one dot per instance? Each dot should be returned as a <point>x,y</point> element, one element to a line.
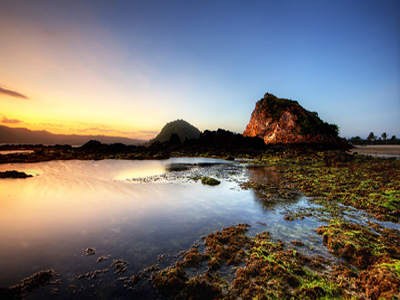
<point>278,120</point>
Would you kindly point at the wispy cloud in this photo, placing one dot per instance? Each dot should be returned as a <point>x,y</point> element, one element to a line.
<point>10,121</point>
<point>104,130</point>
<point>95,129</point>
<point>141,134</point>
<point>12,93</point>
<point>148,132</point>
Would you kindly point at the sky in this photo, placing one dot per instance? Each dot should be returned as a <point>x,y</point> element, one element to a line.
<point>127,67</point>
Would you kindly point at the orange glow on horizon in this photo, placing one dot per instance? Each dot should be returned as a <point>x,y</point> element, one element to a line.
<point>83,129</point>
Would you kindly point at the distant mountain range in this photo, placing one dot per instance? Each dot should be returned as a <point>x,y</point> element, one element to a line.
<point>25,136</point>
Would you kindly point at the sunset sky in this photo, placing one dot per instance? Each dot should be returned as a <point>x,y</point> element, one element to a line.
<point>126,68</point>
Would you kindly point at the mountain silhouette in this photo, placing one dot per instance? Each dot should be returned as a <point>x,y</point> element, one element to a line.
<point>10,135</point>
<point>181,128</point>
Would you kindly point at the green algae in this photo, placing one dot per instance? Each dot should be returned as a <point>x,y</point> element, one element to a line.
<point>394,267</point>
<point>209,181</point>
<point>365,183</point>
<point>268,269</point>
<point>265,270</point>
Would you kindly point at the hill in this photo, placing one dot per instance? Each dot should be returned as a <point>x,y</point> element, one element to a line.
<point>25,136</point>
<point>179,127</point>
<point>278,120</point>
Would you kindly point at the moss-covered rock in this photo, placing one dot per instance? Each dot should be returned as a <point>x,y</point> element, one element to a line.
<point>209,181</point>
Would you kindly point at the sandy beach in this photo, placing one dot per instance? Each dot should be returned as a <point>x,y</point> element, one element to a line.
<point>378,150</point>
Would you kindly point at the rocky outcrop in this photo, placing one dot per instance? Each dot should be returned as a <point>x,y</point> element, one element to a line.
<point>182,129</point>
<point>277,120</point>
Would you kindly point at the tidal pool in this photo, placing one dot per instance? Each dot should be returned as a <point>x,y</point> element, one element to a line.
<point>141,212</point>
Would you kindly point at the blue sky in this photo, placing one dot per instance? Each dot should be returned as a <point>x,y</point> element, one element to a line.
<point>128,67</point>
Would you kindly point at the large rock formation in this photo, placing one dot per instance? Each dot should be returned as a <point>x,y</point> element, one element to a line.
<point>277,120</point>
<point>181,128</point>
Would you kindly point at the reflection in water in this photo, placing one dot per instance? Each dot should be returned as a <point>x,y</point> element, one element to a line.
<point>263,174</point>
<point>48,220</point>
<point>267,188</point>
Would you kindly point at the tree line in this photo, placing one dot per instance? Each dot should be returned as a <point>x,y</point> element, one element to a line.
<point>372,139</point>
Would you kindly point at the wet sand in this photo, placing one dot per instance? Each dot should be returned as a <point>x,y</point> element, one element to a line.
<point>378,150</point>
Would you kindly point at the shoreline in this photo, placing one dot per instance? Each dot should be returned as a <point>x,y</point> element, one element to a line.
<point>377,150</point>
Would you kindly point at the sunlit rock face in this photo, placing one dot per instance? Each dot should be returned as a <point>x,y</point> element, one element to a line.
<point>279,120</point>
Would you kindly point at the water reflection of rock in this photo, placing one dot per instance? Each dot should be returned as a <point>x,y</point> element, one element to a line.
<point>263,174</point>
<point>268,188</point>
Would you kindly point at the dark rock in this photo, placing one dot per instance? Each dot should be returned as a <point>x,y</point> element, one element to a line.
<point>37,280</point>
<point>14,174</point>
<point>348,251</point>
<point>90,251</point>
<point>364,258</point>
<point>92,145</point>
<point>174,139</point>
<point>180,128</point>
<point>298,243</point>
<point>337,158</point>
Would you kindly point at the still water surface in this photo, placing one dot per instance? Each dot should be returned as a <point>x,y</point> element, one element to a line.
<point>48,220</point>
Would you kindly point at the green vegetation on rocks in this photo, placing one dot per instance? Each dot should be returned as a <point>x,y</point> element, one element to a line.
<point>309,122</point>
<point>278,120</point>
<point>264,270</point>
<point>367,183</point>
<point>268,269</point>
<point>209,181</point>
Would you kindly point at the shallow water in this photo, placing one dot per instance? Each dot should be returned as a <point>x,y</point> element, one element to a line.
<point>132,210</point>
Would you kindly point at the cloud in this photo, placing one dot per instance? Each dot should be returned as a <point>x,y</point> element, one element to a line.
<point>12,93</point>
<point>149,132</point>
<point>96,129</point>
<point>10,121</point>
<point>104,130</point>
<point>141,134</point>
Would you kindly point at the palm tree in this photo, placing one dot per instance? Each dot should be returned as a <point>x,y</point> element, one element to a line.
<point>384,136</point>
<point>371,137</point>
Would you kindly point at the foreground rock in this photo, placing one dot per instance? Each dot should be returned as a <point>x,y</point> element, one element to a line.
<point>261,268</point>
<point>377,255</point>
<point>209,181</point>
<point>277,120</point>
<point>265,270</point>
<point>20,290</point>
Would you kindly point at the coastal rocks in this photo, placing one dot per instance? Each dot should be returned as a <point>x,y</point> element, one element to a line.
<point>277,120</point>
<point>119,265</point>
<point>37,280</point>
<point>261,269</point>
<point>358,245</point>
<point>375,255</point>
<point>209,181</point>
<point>89,251</point>
<point>14,174</point>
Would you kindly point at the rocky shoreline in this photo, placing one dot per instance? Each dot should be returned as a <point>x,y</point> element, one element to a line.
<point>364,260</point>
